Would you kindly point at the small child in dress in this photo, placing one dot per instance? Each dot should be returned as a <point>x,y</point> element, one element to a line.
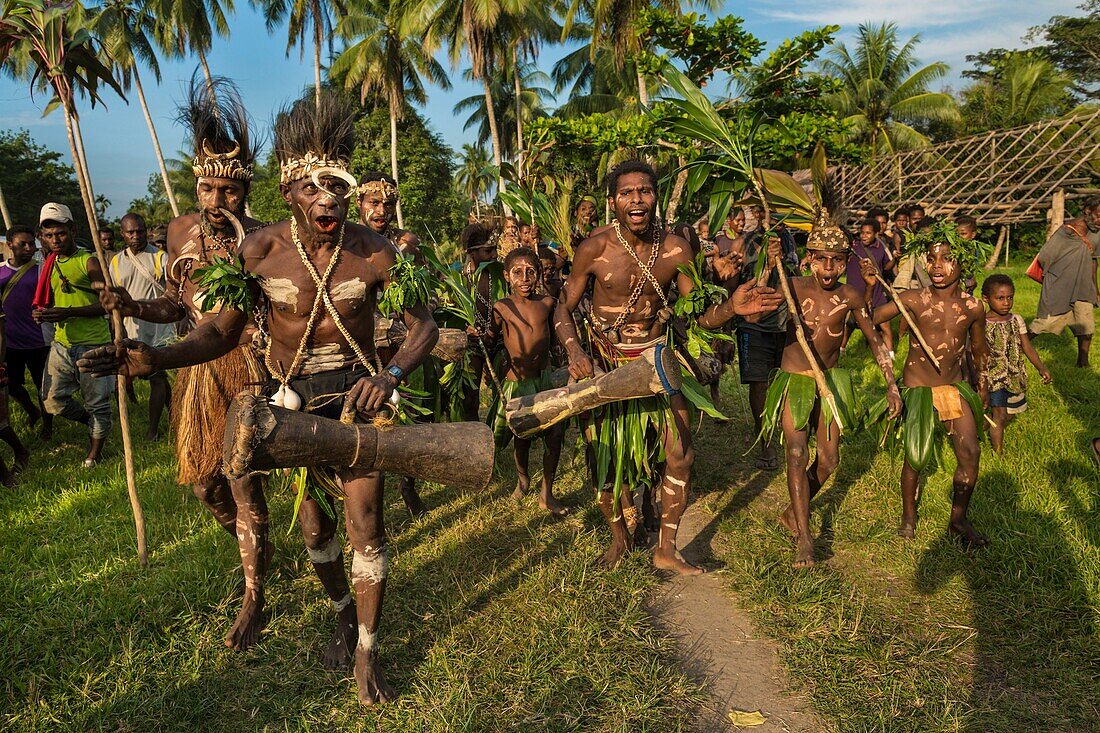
<point>1006,335</point>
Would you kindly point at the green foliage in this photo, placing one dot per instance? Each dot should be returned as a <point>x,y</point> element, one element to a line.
<point>692,306</point>
<point>970,255</point>
<point>32,176</point>
<point>264,199</point>
<point>409,287</point>
<point>1013,88</point>
<point>227,284</point>
<point>705,48</point>
<point>430,205</point>
<point>1073,45</point>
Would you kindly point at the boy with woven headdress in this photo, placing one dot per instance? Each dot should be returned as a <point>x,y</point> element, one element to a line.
<point>523,320</point>
<point>315,280</point>
<point>793,400</point>
<point>630,265</point>
<point>950,322</point>
<point>223,166</point>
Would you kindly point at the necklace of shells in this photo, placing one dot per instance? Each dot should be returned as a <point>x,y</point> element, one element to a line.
<point>285,396</point>
<point>612,332</point>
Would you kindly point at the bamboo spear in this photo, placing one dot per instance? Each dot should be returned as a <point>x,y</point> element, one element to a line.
<point>819,376</point>
<point>76,142</point>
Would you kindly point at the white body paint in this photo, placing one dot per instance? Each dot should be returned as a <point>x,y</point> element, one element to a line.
<point>370,566</point>
<point>328,552</point>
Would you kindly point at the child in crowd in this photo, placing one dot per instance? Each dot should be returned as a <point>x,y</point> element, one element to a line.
<point>524,321</point>
<point>1006,334</point>
<point>869,247</point>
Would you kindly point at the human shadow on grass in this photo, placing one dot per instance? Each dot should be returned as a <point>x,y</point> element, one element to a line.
<point>1035,651</point>
<point>855,461</point>
<point>1078,388</point>
<point>1064,473</point>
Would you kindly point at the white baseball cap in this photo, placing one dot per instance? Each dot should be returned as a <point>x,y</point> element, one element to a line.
<point>55,212</point>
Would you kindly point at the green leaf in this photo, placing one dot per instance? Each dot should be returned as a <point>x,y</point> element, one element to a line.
<point>920,426</point>
<point>801,395</point>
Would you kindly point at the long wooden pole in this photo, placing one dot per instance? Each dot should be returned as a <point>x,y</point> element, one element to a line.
<point>819,376</point>
<point>76,142</point>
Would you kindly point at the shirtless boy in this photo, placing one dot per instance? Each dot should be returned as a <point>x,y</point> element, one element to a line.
<point>950,321</point>
<point>524,321</point>
<point>824,305</point>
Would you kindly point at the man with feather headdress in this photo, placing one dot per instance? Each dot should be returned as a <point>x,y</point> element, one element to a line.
<point>314,280</point>
<point>225,153</point>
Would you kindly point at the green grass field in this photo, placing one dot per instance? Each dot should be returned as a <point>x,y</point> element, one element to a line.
<point>497,619</point>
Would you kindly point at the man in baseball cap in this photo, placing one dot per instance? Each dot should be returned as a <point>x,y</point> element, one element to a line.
<point>59,213</point>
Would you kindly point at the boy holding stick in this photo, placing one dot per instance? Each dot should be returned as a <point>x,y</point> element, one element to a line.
<point>945,322</point>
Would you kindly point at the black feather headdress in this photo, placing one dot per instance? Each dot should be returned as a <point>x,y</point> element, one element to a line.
<point>217,122</point>
<point>314,136</point>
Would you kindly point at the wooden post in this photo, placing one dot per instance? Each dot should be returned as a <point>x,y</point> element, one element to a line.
<point>1001,236</point>
<point>1057,211</point>
<point>1008,239</point>
<point>4,210</point>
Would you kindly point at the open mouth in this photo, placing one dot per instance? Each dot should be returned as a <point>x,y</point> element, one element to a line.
<point>327,223</point>
<point>637,216</point>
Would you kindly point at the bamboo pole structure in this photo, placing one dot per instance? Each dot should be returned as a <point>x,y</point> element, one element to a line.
<point>76,143</point>
<point>819,376</point>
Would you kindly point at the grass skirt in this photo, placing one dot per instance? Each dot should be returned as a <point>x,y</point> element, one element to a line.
<point>200,400</point>
<point>512,388</point>
<point>915,429</point>
<point>800,392</point>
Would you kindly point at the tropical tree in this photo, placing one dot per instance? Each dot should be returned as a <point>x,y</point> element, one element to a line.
<point>478,28</point>
<point>388,61</point>
<point>124,27</point>
<point>472,177</point>
<point>1018,88</point>
<point>883,88</point>
<point>512,111</point>
<point>304,17</point>
<point>595,82</point>
<point>189,26</point>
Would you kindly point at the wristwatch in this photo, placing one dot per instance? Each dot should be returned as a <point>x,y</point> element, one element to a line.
<point>396,372</point>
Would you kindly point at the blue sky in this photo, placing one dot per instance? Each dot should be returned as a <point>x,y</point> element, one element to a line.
<point>121,158</point>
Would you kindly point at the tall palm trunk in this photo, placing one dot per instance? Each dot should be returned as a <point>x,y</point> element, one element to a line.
<point>519,116</point>
<point>643,91</point>
<point>393,160</point>
<point>206,70</point>
<point>318,39</point>
<point>156,145</point>
<point>494,133</point>
<point>76,145</point>
<point>4,210</point>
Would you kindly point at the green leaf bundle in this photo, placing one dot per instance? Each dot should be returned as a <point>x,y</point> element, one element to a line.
<point>227,284</point>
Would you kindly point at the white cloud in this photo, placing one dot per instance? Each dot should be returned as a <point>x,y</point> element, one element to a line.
<point>983,15</point>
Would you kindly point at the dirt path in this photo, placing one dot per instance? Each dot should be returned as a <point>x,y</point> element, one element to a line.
<point>718,645</point>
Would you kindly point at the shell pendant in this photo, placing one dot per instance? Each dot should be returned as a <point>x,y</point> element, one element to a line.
<point>287,398</point>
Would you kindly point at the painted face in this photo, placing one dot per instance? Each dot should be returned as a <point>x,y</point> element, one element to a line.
<point>634,202</point>
<point>758,215</point>
<point>1092,219</point>
<point>943,270</point>
<point>220,193</point>
<point>735,223</point>
<point>867,235</point>
<point>57,238</point>
<point>134,234</point>
<point>967,232</point>
<point>827,267</point>
<point>376,211</point>
<point>318,211</point>
<point>586,212</point>
<point>1000,300</point>
<point>522,276</point>
<point>22,247</point>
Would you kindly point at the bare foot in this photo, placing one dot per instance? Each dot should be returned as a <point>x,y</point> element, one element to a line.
<point>672,561</point>
<point>804,555</point>
<point>372,685</point>
<point>345,636</point>
<point>152,436</point>
<point>966,533</point>
<point>412,499</point>
<point>522,484</point>
<point>552,505</point>
<point>615,554</point>
<point>22,460</point>
<point>246,629</point>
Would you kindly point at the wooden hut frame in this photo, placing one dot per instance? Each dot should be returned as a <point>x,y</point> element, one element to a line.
<point>999,177</point>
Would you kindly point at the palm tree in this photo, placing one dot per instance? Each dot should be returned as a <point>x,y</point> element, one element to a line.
<point>512,111</point>
<point>389,61</point>
<point>471,178</point>
<point>304,16</point>
<point>534,25</point>
<point>595,83</point>
<point>1022,88</point>
<point>184,26</point>
<point>882,88</point>
<point>125,28</point>
<point>54,40</point>
<point>477,26</point>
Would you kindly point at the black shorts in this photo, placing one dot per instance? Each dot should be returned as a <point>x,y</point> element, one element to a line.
<point>759,353</point>
<point>323,393</point>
